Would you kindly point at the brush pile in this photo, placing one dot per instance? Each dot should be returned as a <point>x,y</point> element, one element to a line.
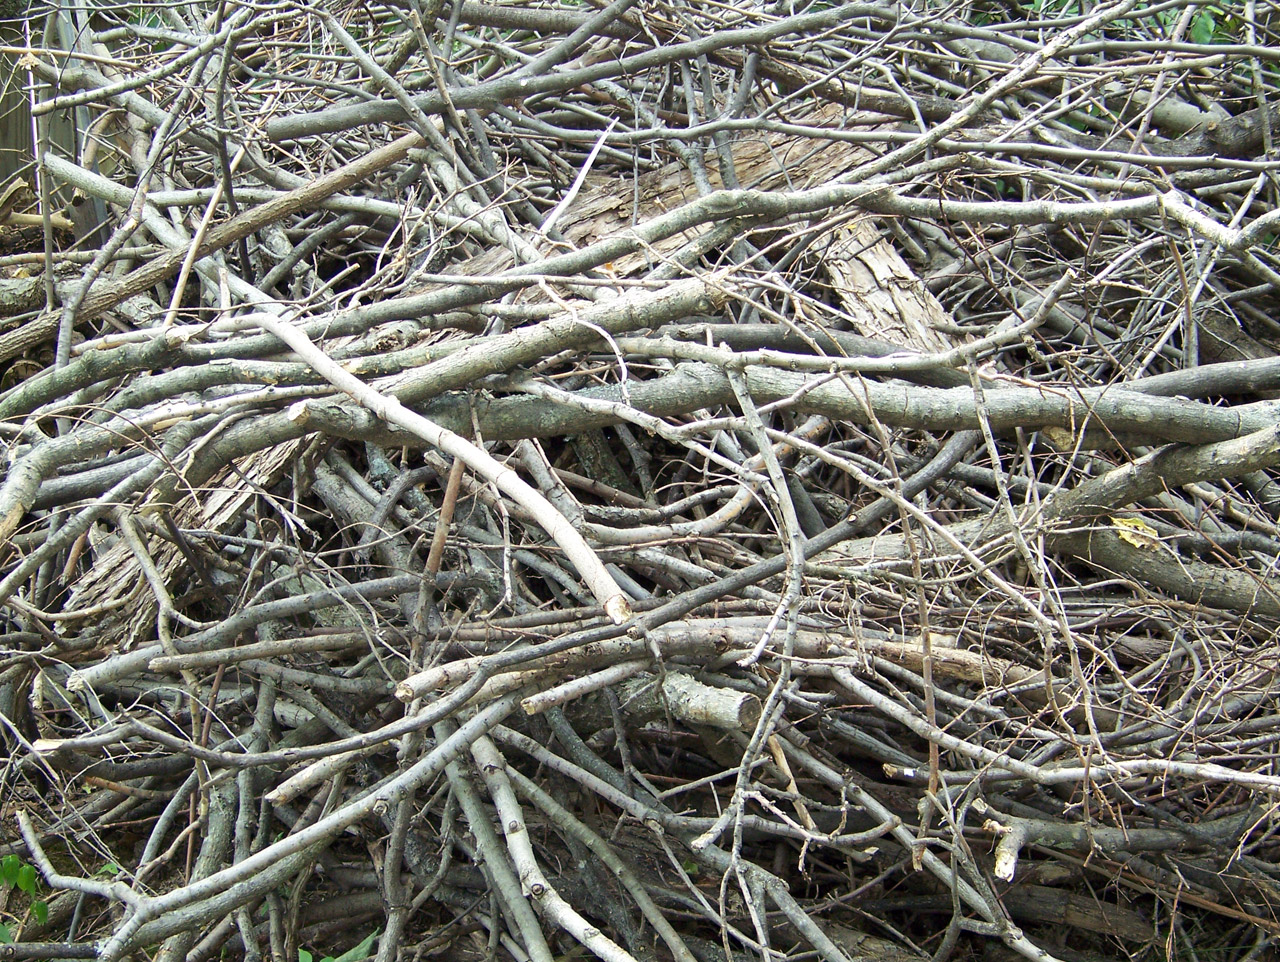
<point>644,481</point>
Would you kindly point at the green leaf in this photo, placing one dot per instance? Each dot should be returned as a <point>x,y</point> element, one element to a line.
<point>1202,27</point>
<point>357,953</point>
<point>9,866</point>
<point>41,911</point>
<point>27,879</point>
<point>110,870</point>
<point>5,936</point>
<point>305,956</point>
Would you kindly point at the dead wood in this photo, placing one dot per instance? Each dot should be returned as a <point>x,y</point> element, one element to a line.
<point>646,481</point>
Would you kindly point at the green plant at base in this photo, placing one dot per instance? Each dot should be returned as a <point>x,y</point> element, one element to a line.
<point>20,875</point>
<point>357,953</point>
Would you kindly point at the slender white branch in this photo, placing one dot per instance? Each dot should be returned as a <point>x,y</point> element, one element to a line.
<point>592,570</point>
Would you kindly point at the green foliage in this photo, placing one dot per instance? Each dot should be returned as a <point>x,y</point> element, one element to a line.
<point>9,866</point>
<point>1203,26</point>
<point>20,875</point>
<point>357,953</point>
<point>1055,8</point>
<point>1213,23</point>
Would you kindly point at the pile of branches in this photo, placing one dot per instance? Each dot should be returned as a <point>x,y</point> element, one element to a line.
<point>648,480</point>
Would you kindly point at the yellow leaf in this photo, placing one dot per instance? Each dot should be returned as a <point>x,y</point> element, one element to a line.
<point>1060,439</point>
<point>1137,532</point>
